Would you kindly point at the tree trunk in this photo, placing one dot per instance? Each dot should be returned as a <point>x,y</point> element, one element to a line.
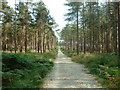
<point>98,43</point>
<point>90,28</point>
<point>118,29</point>
<point>115,27</point>
<point>77,33</point>
<point>84,38</point>
<point>26,39</point>
<point>44,41</point>
<point>21,39</point>
<point>38,41</point>
<point>4,37</point>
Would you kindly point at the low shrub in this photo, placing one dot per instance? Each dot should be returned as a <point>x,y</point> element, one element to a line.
<point>25,70</point>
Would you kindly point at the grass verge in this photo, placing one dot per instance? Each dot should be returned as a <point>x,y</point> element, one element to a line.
<point>104,65</point>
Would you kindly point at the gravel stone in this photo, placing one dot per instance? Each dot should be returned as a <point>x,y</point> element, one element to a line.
<point>68,74</point>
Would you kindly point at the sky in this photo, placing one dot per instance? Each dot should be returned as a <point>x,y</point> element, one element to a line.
<point>57,10</point>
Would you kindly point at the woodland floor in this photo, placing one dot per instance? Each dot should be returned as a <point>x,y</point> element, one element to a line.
<point>67,74</point>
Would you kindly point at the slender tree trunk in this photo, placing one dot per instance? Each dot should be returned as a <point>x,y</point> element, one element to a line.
<point>47,44</point>
<point>90,27</point>
<point>118,29</point>
<point>107,27</point>
<point>98,43</point>
<point>10,41</point>
<point>41,45</point>
<point>26,31</point>
<point>77,32</point>
<point>44,41</point>
<point>84,37</point>
<point>38,41</point>
<point>35,40</point>
<point>4,37</point>
<point>15,37</point>
<point>115,27</point>
<point>21,39</point>
<point>15,43</point>
<point>26,39</point>
<point>93,40</point>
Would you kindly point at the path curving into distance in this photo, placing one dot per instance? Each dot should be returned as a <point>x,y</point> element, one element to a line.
<point>68,74</point>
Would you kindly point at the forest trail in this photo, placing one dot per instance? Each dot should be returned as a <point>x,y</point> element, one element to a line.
<point>67,74</point>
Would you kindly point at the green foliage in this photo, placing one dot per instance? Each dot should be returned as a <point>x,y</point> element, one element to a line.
<point>25,70</point>
<point>15,61</point>
<point>105,66</point>
<point>69,53</point>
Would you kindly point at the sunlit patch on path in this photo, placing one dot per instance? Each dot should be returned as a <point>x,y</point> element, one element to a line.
<point>67,74</point>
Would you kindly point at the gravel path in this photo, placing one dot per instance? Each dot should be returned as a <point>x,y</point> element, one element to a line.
<point>67,74</point>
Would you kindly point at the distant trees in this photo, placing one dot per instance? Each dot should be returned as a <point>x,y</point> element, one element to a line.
<point>6,26</point>
<point>74,15</point>
<point>28,27</point>
<point>98,27</point>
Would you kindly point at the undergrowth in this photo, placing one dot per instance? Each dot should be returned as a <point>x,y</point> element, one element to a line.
<point>25,70</point>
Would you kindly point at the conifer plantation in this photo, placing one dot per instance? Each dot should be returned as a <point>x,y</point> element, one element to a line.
<point>93,27</point>
<point>28,44</point>
<point>27,27</point>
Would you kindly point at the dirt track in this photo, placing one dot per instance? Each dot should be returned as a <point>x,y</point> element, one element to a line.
<point>67,74</point>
